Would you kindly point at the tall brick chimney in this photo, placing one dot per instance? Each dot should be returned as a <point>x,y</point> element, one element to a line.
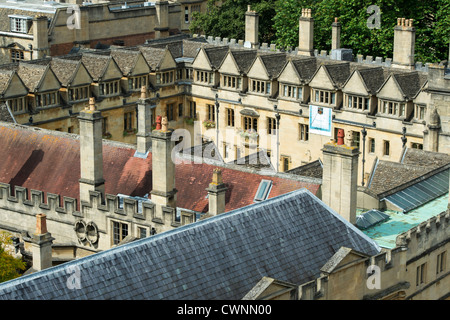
<point>91,152</point>
<point>404,43</point>
<point>251,27</point>
<point>339,180</point>
<point>306,34</point>
<point>216,194</point>
<point>41,245</point>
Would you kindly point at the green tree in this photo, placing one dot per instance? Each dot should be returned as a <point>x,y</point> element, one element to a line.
<point>279,24</point>
<point>10,267</point>
<point>228,19</point>
<point>431,20</point>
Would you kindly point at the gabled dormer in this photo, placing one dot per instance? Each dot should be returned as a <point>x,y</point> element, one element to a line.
<point>206,65</point>
<point>359,91</point>
<point>42,83</point>
<point>264,72</point>
<point>327,82</point>
<point>162,65</point>
<point>234,68</point>
<point>134,67</point>
<point>294,79</point>
<point>13,91</point>
<point>395,96</point>
<point>74,78</point>
<point>105,73</point>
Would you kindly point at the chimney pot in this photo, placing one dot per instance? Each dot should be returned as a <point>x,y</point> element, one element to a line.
<point>92,104</point>
<point>217,176</point>
<point>143,92</point>
<point>340,137</point>
<point>41,223</point>
<point>158,123</point>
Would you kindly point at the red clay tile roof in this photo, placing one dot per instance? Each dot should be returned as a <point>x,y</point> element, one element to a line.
<point>50,162</point>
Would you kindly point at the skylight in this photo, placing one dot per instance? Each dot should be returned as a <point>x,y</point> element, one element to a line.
<point>421,192</point>
<point>263,190</point>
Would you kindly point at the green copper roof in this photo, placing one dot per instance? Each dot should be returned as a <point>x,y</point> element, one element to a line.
<point>386,232</point>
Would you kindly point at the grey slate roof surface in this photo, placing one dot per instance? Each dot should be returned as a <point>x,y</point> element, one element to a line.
<point>339,72</point>
<point>64,69</point>
<point>216,55</point>
<point>410,83</point>
<point>415,164</point>
<point>289,237</point>
<point>274,63</point>
<point>313,169</point>
<point>306,67</point>
<point>5,114</point>
<point>244,59</point>
<point>373,78</point>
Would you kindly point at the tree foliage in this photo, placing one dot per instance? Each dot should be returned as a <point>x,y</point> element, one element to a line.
<point>279,24</point>
<point>10,267</point>
<point>228,19</point>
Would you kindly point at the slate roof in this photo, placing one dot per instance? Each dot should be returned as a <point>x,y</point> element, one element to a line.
<point>289,237</point>
<point>373,78</point>
<point>216,55</point>
<point>306,67</point>
<point>5,113</point>
<point>244,59</point>
<point>96,64</point>
<point>410,83</point>
<point>5,78</point>
<point>125,59</point>
<point>49,161</point>
<point>313,169</point>
<point>339,72</point>
<point>31,73</point>
<point>152,55</point>
<point>389,177</point>
<point>274,63</point>
<point>64,69</point>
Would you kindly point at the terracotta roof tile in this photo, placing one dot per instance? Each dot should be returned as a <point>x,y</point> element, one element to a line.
<point>50,161</point>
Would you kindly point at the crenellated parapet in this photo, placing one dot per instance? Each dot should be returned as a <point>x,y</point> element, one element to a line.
<point>426,234</point>
<point>85,222</point>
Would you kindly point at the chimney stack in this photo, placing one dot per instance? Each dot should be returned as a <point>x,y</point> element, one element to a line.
<point>91,152</point>
<point>404,43</point>
<point>163,168</point>
<point>216,194</point>
<point>41,245</point>
<point>340,174</point>
<point>335,34</point>
<point>40,37</point>
<point>144,141</point>
<point>306,34</point>
<point>251,27</point>
<point>162,19</point>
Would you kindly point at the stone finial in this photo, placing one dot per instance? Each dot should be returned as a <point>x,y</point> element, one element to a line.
<point>158,123</point>
<point>335,19</point>
<point>249,8</point>
<point>217,176</point>
<point>144,92</point>
<point>92,104</point>
<point>164,124</point>
<point>41,223</point>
